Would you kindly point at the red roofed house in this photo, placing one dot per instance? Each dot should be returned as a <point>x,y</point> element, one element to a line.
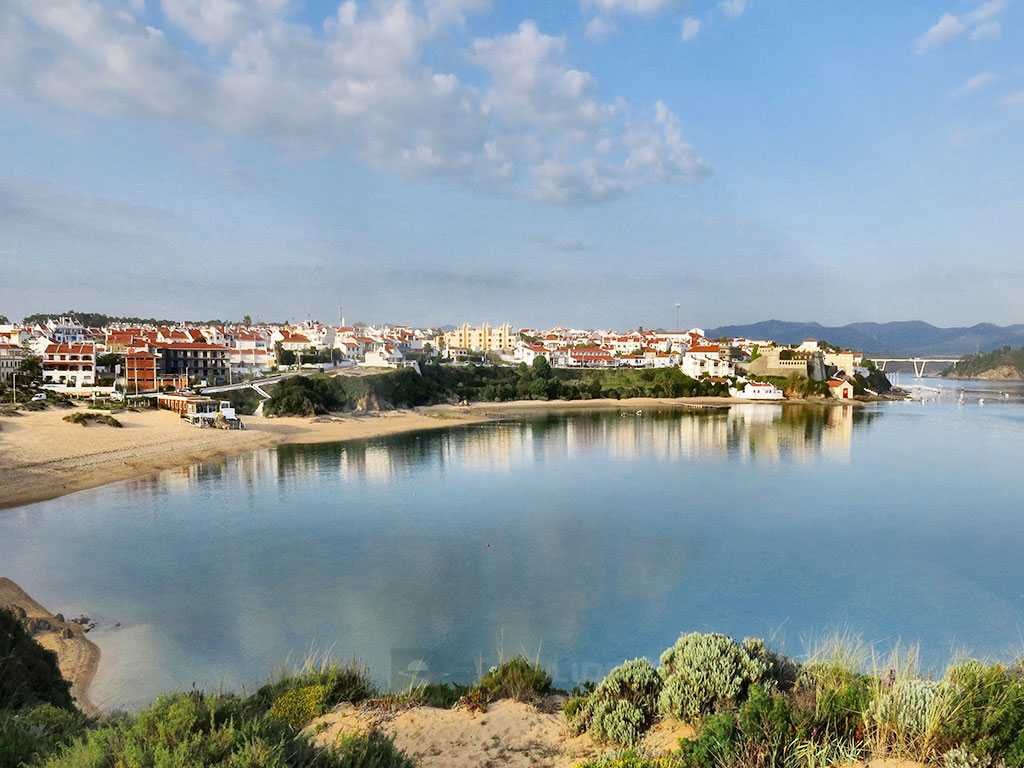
<point>70,364</point>
<point>840,389</point>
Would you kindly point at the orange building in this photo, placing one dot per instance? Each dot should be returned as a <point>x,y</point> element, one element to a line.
<point>140,372</point>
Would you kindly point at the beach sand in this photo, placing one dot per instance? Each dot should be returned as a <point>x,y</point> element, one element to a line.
<point>43,457</point>
<point>509,734</point>
<point>77,656</point>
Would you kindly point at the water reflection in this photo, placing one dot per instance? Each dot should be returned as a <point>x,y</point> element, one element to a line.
<point>748,432</point>
<point>583,537</point>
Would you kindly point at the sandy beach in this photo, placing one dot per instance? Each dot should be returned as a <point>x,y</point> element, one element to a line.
<point>43,457</point>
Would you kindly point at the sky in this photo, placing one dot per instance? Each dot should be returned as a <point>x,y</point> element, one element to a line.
<point>584,163</point>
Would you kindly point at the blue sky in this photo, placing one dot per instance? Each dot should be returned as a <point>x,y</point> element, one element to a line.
<point>577,162</point>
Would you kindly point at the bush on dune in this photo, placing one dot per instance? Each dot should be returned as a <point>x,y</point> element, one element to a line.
<point>622,707</point>
<point>517,678</point>
<point>193,730</point>
<point>705,672</point>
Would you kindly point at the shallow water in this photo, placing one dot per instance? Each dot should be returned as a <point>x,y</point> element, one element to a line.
<point>581,538</point>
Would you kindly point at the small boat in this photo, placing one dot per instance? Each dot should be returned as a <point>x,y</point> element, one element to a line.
<point>961,400</point>
<point>640,412</point>
<point>981,401</point>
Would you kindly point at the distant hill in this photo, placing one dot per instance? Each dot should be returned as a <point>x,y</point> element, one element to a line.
<point>999,365</point>
<point>900,339</point>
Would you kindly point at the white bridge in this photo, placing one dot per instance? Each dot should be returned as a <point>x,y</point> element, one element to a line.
<point>918,362</point>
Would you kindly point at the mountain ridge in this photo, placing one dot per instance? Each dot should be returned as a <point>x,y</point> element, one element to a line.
<point>902,338</point>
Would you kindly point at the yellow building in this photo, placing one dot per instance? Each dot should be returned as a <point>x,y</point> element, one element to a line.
<point>483,338</point>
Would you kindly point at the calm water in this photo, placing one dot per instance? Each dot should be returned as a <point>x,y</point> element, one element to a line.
<point>584,538</point>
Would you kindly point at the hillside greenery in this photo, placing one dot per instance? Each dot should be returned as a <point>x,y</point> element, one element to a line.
<point>749,706</point>
<point>318,394</point>
<point>974,365</point>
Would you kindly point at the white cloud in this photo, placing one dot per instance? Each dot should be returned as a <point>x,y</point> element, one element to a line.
<point>691,28</point>
<point>217,22</point>
<point>975,83</point>
<point>638,7</point>
<point>987,10</point>
<point>949,26</point>
<point>362,85</point>
<point>1014,99</point>
<point>945,29</point>
<point>599,27</point>
<point>733,8</point>
<point>988,29</point>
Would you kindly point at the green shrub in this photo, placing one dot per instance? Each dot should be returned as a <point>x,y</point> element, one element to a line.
<point>632,759</point>
<point>29,674</point>
<point>908,706</point>
<point>623,706</point>
<point>440,695</point>
<point>985,715</point>
<point>702,673</point>
<point>31,735</point>
<point>300,706</point>
<point>715,744</point>
<point>766,726</point>
<point>574,709</point>
<point>830,702</point>
<point>194,731</point>
<point>344,682</point>
<point>516,679</point>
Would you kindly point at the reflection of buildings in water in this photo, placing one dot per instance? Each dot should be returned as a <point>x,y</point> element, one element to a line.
<point>248,469</point>
<point>838,437</point>
<point>751,431</point>
<point>798,432</point>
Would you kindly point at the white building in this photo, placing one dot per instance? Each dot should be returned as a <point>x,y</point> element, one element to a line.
<point>706,361</point>
<point>756,390</point>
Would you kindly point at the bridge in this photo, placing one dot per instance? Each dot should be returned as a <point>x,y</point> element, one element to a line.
<point>918,362</point>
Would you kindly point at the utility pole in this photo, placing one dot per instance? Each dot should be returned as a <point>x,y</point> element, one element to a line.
<point>677,317</point>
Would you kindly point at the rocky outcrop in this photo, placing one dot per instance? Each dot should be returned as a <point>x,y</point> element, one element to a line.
<point>1001,373</point>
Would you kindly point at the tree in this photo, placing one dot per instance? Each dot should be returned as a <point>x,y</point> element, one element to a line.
<point>31,366</point>
<point>286,357</point>
<point>109,360</point>
<point>541,366</point>
<point>246,321</point>
<point>4,320</point>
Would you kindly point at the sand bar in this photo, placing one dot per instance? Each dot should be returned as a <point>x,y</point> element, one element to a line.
<point>43,457</point>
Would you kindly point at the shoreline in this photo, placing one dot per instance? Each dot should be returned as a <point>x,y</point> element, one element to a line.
<point>77,656</point>
<point>43,457</point>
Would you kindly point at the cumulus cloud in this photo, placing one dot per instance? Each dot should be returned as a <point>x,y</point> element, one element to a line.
<point>733,8</point>
<point>980,21</point>
<point>363,85</point>
<point>691,28</point>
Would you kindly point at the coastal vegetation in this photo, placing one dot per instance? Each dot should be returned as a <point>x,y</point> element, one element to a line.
<point>84,419</point>
<point>1004,364</point>
<point>318,394</point>
<point>744,704</point>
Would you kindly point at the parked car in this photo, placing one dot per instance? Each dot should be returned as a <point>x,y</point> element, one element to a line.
<point>39,396</point>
